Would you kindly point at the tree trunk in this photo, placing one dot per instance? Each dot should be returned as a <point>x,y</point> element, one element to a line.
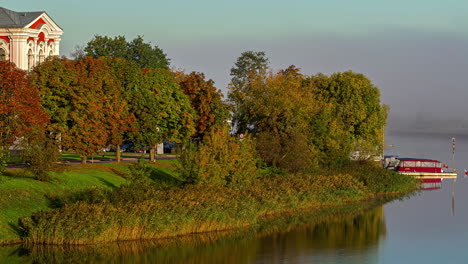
<point>117,153</point>
<point>83,159</point>
<point>152,156</point>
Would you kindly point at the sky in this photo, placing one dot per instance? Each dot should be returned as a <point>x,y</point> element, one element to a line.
<point>415,51</point>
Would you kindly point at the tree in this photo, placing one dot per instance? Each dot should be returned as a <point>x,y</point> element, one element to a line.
<point>161,109</point>
<point>104,46</point>
<point>280,111</point>
<point>301,122</point>
<point>353,120</point>
<point>207,102</point>
<point>20,108</point>
<point>137,50</point>
<point>78,53</point>
<point>120,119</point>
<point>85,101</point>
<point>145,55</point>
<point>250,65</point>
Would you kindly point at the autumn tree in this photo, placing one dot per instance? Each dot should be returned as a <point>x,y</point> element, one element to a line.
<point>280,110</point>
<point>126,75</point>
<point>20,108</point>
<point>207,102</point>
<point>145,55</point>
<point>85,101</point>
<point>302,122</point>
<point>250,65</point>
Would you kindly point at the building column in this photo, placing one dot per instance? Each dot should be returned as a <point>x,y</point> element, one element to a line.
<point>19,51</point>
<point>57,46</point>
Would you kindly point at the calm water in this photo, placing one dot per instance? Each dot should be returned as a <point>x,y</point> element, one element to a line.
<point>428,227</point>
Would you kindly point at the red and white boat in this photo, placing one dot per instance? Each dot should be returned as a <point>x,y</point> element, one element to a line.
<point>420,168</point>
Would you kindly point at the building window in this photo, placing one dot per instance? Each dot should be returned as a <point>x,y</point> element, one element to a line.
<point>30,60</point>
<point>41,56</point>
<point>2,54</point>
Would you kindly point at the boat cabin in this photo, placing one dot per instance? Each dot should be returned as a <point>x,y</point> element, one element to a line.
<point>419,165</point>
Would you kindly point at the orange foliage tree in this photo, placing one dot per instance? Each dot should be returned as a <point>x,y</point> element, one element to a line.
<point>20,108</point>
<point>206,100</point>
<point>85,102</point>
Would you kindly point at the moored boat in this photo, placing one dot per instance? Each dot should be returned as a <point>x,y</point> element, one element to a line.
<point>419,168</point>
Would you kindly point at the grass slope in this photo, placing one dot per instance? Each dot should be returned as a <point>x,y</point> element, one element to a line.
<point>21,195</point>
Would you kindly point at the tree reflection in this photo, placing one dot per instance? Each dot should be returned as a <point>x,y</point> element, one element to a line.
<point>354,227</point>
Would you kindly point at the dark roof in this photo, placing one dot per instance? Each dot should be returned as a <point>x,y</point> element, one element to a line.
<point>12,19</point>
<point>417,159</point>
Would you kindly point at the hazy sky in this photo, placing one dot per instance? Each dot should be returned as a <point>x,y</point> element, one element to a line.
<point>415,51</point>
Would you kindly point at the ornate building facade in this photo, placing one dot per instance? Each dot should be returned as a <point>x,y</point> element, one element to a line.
<point>27,38</point>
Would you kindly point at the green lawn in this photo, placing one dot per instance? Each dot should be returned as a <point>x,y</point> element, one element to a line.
<point>20,195</point>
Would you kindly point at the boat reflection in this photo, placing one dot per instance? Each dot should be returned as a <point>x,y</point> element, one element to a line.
<point>431,184</point>
<point>435,184</point>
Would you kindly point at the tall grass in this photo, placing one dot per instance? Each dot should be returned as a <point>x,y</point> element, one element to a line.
<point>353,226</point>
<point>147,211</point>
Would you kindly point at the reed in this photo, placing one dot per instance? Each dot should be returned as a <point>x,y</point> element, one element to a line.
<point>146,211</point>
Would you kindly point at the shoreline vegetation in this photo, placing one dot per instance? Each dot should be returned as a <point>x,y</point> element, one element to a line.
<point>357,226</point>
<point>150,201</point>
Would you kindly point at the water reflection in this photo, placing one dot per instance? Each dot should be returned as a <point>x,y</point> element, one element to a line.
<point>436,184</point>
<point>302,238</point>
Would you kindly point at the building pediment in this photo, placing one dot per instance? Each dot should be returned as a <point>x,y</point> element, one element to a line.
<point>43,20</point>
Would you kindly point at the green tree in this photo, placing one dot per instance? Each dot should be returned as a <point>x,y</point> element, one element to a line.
<point>353,118</point>
<point>54,80</point>
<point>145,55</point>
<point>104,46</point>
<point>161,109</point>
<point>250,65</point>
<point>207,102</point>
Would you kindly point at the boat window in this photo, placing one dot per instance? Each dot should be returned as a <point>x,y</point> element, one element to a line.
<point>438,165</point>
<point>427,164</point>
<point>409,164</point>
<point>418,164</point>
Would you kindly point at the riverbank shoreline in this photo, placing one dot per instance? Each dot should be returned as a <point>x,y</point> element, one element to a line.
<point>178,212</point>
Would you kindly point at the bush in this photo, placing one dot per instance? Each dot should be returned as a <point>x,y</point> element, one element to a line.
<point>220,160</point>
<point>40,151</point>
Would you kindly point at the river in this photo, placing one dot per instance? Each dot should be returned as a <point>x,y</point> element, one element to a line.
<point>429,226</point>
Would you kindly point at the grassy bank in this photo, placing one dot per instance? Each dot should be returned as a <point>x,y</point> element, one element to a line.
<point>20,195</point>
<point>157,205</point>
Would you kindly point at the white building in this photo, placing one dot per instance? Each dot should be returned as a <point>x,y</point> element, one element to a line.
<point>27,38</point>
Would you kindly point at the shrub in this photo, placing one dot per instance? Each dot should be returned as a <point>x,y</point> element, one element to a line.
<point>40,151</point>
<point>220,160</point>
